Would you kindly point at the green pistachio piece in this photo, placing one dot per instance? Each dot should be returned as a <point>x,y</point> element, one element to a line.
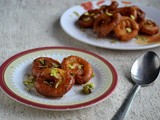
<point>42,62</point>
<point>71,66</point>
<point>76,13</point>
<point>87,88</point>
<point>86,19</point>
<point>132,17</point>
<point>92,14</point>
<point>129,30</point>
<point>57,84</point>
<point>109,14</point>
<point>55,65</point>
<point>80,67</point>
<point>54,72</point>
<point>93,74</point>
<point>29,83</point>
<point>86,13</point>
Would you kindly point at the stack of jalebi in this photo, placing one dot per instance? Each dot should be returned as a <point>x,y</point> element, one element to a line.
<point>54,79</point>
<point>124,22</point>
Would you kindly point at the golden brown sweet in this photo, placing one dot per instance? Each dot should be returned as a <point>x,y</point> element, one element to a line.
<point>126,29</point>
<point>79,68</point>
<point>149,27</point>
<point>40,63</point>
<point>87,19</point>
<point>54,82</point>
<point>105,23</point>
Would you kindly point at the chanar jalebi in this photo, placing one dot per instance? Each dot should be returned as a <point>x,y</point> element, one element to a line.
<point>124,22</point>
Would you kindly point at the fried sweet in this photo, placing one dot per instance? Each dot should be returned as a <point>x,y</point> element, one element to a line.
<point>79,68</point>
<point>133,12</point>
<point>54,82</point>
<point>105,23</point>
<point>39,64</point>
<point>140,14</point>
<point>148,27</point>
<point>86,20</point>
<point>126,29</point>
<point>107,8</point>
<point>128,11</point>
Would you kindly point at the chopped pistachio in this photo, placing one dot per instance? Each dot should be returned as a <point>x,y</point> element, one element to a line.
<point>55,65</point>
<point>87,88</point>
<point>129,30</point>
<point>143,38</point>
<point>54,72</point>
<point>57,84</point>
<point>42,66</point>
<point>86,13</point>
<point>109,14</point>
<point>71,66</point>
<point>92,14</point>
<point>132,17</point>
<point>80,67</point>
<point>42,62</point>
<point>91,85</point>
<point>48,83</point>
<point>149,22</point>
<point>31,77</point>
<point>86,19</point>
<point>93,74</point>
<point>76,13</point>
<point>113,41</point>
<point>29,83</point>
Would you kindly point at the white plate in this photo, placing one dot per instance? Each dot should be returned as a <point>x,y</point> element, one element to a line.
<point>69,18</point>
<point>13,71</point>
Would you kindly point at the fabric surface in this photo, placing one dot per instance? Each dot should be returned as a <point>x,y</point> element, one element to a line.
<point>27,24</point>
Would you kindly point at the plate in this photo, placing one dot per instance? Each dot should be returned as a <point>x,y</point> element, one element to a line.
<point>14,70</point>
<point>69,18</point>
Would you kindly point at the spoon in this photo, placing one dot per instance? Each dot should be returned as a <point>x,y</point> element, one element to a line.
<point>143,72</point>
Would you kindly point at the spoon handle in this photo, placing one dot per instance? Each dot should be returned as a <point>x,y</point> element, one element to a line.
<point>121,113</point>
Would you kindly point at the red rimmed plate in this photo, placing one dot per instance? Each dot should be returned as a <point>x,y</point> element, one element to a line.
<point>14,70</point>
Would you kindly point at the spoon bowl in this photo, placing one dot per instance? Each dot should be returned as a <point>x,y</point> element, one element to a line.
<point>144,71</point>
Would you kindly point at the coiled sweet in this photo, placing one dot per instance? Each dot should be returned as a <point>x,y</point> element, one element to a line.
<point>79,68</point>
<point>126,29</point>
<point>54,82</point>
<point>87,19</point>
<point>149,27</point>
<point>105,23</point>
<point>40,63</point>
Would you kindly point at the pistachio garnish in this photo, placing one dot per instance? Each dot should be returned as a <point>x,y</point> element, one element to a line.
<point>42,62</point>
<point>92,14</point>
<point>109,14</point>
<point>55,65</point>
<point>57,84</point>
<point>87,88</point>
<point>86,19</point>
<point>93,74</point>
<point>29,83</point>
<point>132,17</point>
<point>129,30</point>
<point>54,72</point>
<point>80,67</point>
<point>86,13</point>
<point>71,66</point>
<point>76,13</point>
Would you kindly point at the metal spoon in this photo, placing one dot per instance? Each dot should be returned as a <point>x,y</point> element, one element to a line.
<point>143,72</point>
